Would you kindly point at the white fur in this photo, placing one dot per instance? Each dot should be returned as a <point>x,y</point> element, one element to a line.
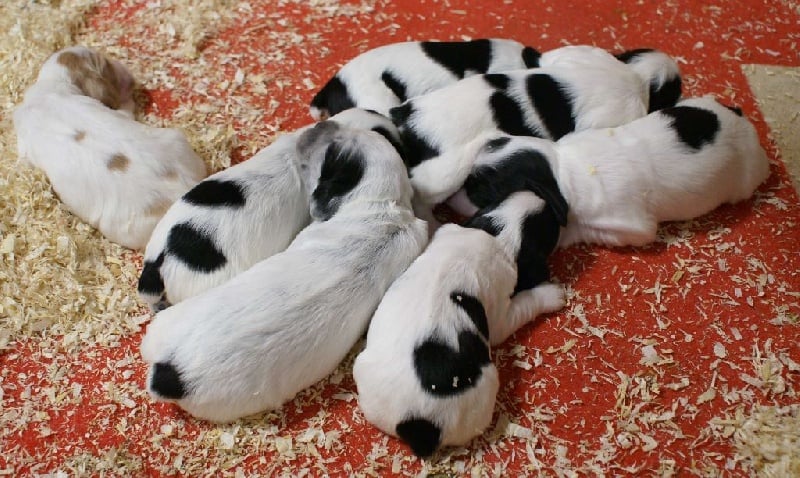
<point>408,62</point>
<point>621,182</point>
<point>277,183</point>
<point>605,92</point>
<point>75,139</point>
<point>254,342</point>
<point>418,307</point>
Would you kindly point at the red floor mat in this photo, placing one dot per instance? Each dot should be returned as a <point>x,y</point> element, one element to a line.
<point>658,359</point>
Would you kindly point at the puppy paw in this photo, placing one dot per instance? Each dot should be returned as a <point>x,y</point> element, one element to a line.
<point>551,297</point>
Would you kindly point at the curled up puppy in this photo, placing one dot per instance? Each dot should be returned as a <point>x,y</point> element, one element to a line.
<point>237,217</point>
<point>76,123</point>
<point>257,340</point>
<point>426,373</point>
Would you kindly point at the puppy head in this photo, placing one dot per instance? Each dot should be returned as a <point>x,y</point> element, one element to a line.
<point>92,74</point>
<point>331,99</point>
<point>346,165</point>
<point>659,71</point>
<point>508,164</point>
<point>359,118</point>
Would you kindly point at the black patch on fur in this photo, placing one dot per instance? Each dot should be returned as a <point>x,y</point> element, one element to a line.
<point>629,55</point>
<point>523,170</point>
<point>484,222</point>
<point>194,248</point>
<point>552,101</point>
<point>391,139</point>
<point>497,143</point>
<point>151,282</point>
<point>166,381</point>
<point>459,57</point>
<point>497,81</point>
<point>540,234</point>
<point>443,371</point>
<point>531,57</point>
<point>474,309</point>
<point>694,126</point>
<point>508,116</point>
<point>216,193</point>
<point>394,84</point>
<point>333,97</point>
<point>420,434</point>
<point>341,171</point>
<point>735,109</point>
<point>415,147</point>
<point>665,95</point>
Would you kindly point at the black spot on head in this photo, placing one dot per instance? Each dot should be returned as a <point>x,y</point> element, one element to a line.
<point>553,103</point>
<point>540,233</point>
<point>531,57</point>
<point>497,143</point>
<point>394,84</point>
<point>474,309</point>
<point>166,381</point>
<point>333,97</point>
<point>416,148</point>
<point>629,55</point>
<point>497,81</point>
<point>664,95</point>
<point>194,248</point>
<point>460,57</point>
<point>694,126</point>
<point>342,170</point>
<point>523,170</point>
<point>397,145</point>
<point>150,282</point>
<point>735,109</point>
<point>420,434</point>
<point>509,117</point>
<point>484,222</point>
<point>443,371</point>
<point>216,193</point>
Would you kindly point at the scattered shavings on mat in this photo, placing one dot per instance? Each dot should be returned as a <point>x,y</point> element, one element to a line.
<point>679,358</point>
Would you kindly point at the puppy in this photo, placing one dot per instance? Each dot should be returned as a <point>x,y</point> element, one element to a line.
<point>384,77</point>
<point>426,373</point>
<point>659,71</point>
<point>255,341</point>
<point>76,123</point>
<point>237,217</point>
<point>674,164</point>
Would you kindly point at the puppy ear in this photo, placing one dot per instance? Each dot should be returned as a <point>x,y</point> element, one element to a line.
<point>542,182</point>
<point>342,169</point>
<point>421,435</point>
<point>94,75</point>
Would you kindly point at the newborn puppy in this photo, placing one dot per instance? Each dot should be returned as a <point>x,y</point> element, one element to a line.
<point>76,123</point>
<point>257,340</point>
<point>659,71</point>
<point>426,373</point>
<point>384,77</point>
<point>237,217</point>
<point>674,164</point>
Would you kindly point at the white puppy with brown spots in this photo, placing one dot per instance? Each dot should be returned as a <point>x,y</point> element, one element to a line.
<point>76,123</point>
<point>426,373</point>
<point>255,341</point>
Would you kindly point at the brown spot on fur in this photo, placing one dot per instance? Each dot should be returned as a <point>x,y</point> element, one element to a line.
<point>158,208</point>
<point>171,174</point>
<point>94,75</point>
<point>79,135</point>
<point>118,162</point>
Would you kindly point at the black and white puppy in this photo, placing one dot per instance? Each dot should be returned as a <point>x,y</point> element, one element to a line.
<point>659,71</point>
<point>426,373</point>
<point>674,164</point>
<point>384,77</point>
<point>255,341</point>
<point>237,217</point>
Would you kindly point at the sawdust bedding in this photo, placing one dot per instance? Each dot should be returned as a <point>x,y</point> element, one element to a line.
<point>707,396</point>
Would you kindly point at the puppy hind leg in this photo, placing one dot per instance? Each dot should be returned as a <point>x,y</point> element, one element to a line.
<point>526,306</point>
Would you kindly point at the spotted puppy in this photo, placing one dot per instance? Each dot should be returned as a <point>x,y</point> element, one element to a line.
<point>426,373</point>
<point>384,77</point>
<point>76,123</point>
<point>674,164</point>
<point>237,217</point>
<point>255,341</point>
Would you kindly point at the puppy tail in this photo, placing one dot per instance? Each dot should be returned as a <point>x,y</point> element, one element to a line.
<point>420,434</point>
<point>331,99</point>
<point>165,382</point>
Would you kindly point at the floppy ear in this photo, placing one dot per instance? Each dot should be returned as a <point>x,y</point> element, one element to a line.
<point>542,182</point>
<point>341,171</point>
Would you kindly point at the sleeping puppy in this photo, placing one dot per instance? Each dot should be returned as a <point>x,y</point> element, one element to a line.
<point>236,218</point>
<point>384,77</point>
<point>257,340</point>
<point>659,71</point>
<point>672,165</point>
<point>76,124</point>
<point>426,373</point>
